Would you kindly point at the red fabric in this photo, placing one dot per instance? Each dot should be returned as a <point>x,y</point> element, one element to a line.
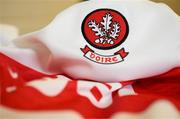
<point>165,86</point>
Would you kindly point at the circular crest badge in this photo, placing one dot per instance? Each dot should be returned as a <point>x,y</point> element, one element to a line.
<point>104,29</point>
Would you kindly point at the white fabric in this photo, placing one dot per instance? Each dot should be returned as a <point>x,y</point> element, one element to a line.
<point>153,43</point>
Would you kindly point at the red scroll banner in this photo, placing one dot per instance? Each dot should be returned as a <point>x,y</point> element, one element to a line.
<point>104,59</point>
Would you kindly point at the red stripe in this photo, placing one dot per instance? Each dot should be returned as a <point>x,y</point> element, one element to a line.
<point>165,86</point>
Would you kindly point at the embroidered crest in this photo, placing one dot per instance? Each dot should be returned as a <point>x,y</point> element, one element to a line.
<point>105,29</point>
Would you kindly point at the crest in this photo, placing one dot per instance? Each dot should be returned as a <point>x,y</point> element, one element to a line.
<point>105,29</point>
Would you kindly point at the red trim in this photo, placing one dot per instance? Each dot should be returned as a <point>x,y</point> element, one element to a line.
<point>165,86</point>
<point>86,49</point>
<point>122,53</point>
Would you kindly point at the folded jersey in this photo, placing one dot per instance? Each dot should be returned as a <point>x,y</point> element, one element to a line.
<point>107,41</point>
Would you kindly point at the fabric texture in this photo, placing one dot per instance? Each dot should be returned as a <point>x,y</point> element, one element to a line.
<point>25,89</point>
<point>48,71</point>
